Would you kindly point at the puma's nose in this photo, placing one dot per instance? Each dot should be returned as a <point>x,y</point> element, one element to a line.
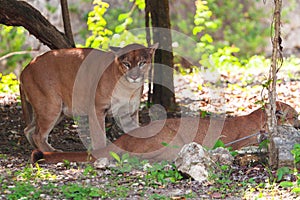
<point>134,76</point>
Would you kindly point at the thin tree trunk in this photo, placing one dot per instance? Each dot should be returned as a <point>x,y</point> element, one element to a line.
<point>148,39</point>
<point>66,20</point>
<point>163,89</point>
<point>276,61</point>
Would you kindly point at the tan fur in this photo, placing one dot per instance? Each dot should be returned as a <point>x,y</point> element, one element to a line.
<point>177,132</point>
<point>83,82</point>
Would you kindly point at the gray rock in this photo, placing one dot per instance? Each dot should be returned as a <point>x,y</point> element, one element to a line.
<point>101,163</point>
<point>194,161</point>
<point>284,141</point>
<point>221,155</point>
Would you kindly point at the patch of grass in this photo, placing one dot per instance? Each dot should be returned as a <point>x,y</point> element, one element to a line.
<point>223,184</point>
<point>78,192</point>
<point>3,156</point>
<point>162,173</point>
<point>156,174</point>
<point>89,171</point>
<point>32,173</point>
<point>24,190</point>
<point>126,163</point>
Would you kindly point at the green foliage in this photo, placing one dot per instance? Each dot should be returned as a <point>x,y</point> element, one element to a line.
<point>9,83</point>
<point>163,173</point>
<point>67,164</point>
<point>165,144</point>
<point>157,173</point>
<point>281,172</point>
<point>204,23</point>
<point>23,190</point>
<point>97,24</point>
<point>78,192</point>
<point>89,170</point>
<point>264,144</point>
<point>294,186</point>
<point>296,152</point>
<point>240,25</point>
<point>223,184</point>
<point>12,39</point>
<point>204,113</point>
<point>238,31</point>
<point>115,33</point>
<point>219,143</point>
<point>126,163</point>
<point>31,173</point>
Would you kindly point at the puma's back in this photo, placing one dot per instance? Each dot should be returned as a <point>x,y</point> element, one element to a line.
<point>52,75</point>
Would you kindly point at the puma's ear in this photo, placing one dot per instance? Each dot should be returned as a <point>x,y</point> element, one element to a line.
<point>114,49</point>
<point>153,47</point>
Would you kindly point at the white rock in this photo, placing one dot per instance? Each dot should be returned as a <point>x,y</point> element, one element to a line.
<point>194,161</point>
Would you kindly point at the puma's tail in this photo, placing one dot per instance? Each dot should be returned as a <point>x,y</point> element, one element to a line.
<point>26,107</point>
<point>55,157</point>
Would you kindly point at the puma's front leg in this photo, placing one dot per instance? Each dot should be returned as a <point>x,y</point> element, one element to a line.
<point>97,130</point>
<point>128,121</point>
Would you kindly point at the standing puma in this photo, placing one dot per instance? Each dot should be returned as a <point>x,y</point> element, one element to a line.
<point>83,82</point>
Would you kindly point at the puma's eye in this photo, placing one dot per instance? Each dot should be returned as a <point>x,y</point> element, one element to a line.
<point>142,63</point>
<point>126,64</point>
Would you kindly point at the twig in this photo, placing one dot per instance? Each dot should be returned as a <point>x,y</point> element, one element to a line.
<point>16,53</point>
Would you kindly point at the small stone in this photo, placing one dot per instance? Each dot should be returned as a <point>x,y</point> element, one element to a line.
<point>222,156</point>
<point>101,163</point>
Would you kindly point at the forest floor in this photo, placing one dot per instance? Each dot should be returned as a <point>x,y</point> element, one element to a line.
<point>234,93</point>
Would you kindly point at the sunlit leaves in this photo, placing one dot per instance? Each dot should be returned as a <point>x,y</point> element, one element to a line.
<point>97,24</point>
<point>9,83</point>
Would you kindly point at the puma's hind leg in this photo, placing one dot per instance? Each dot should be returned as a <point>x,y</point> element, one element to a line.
<point>29,130</point>
<point>45,120</point>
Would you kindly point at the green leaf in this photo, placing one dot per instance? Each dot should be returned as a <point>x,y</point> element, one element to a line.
<point>125,157</point>
<point>281,172</point>
<point>141,4</point>
<point>286,184</point>
<point>120,28</point>
<point>219,143</point>
<point>115,156</point>
<point>165,144</point>
<point>296,190</point>
<point>123,16</point>
<point>198,29</point>
<point>206,38</point>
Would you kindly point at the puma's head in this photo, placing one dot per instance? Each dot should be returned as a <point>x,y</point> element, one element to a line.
<point>134,61</point>
<point>287,115</point>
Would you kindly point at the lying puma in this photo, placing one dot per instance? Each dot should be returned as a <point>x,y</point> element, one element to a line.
<point>83,82</point>
<point>174,133</point>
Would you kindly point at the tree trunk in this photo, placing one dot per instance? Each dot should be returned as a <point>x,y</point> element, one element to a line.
<point>276,62</point>
<point>66,20</point>
<point>20,13</point>
<point>163,88</point>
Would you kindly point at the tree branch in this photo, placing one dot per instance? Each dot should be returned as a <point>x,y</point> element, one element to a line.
<point>20,13</point>
<point>16,53</point>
